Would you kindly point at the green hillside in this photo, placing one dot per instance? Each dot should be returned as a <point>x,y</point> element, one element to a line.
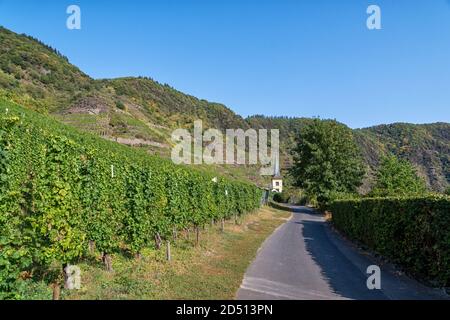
<point>142,112</point>
<point>41,78</point>
<point>426,146</point>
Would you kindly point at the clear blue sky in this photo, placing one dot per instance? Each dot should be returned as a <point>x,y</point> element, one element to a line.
<point>296,58</point>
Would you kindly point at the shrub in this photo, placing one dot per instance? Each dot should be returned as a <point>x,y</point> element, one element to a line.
<point>413,232</point>
<point>397,178</point>
<point>120,105</point>
<point>281,197</point>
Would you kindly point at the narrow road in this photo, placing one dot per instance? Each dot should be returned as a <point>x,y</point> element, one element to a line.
<point>305,259</point>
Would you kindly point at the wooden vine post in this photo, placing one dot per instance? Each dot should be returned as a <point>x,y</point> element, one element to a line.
<point>56,291</point>
<point>158,241</point>
<point>188,234</point>
<point>107,261</point>
<point>175,233</point>
<point>197,238</point>
<point>168,253</point>
<point>91,247</point>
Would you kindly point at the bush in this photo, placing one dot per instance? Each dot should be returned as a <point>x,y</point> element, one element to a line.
<point>281,197</point>
<point>412,232</point>
<point>293,196</point>
<point>120,105</point>
<point>61,189</point>
<point>397,177</point>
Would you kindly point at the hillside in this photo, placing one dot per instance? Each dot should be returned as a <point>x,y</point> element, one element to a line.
<point>427,146</point>
<point>139,111</point>
<point>142,112</point>
<point>40,78</point>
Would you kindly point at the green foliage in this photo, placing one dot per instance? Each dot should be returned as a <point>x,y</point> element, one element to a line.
<point>397,178</point>
<point>281,197</point>
<point>32,289</point>
<point>413,232</point>
<point>61,189</point>
<point>326,160</point>
<point>174,105</point>
<point>38,76</point>
<point>447,191</point>
<point>120,105</point>
<point>427,146</point>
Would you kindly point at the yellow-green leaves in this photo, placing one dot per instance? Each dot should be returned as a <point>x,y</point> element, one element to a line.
<point>57,189</point>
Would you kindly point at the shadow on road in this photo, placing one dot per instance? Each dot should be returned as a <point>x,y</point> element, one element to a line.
<point>344,278</point>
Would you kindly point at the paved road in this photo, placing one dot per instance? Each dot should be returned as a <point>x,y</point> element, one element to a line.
<point>305,260</point>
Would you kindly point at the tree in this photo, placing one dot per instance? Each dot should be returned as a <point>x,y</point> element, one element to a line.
<point>397,177</point>
<point>327,160</point>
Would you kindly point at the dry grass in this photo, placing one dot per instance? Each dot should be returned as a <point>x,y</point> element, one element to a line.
<point>213,270</point>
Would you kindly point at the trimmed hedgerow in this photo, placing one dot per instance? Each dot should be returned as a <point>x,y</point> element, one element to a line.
<point>412,232</point>
<point>61,190</point>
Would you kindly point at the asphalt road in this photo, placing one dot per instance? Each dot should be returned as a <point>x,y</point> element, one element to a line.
<point>305,259</point>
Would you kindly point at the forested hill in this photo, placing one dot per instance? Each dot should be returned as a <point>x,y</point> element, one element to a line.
<point>142,112</point>
<point>427,146</point>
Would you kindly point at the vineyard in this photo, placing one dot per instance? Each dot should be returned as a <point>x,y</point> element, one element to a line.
<point>63,192</point>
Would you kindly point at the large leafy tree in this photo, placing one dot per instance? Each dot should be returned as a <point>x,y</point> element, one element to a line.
<point>327,160</point>
<point>397,177</point>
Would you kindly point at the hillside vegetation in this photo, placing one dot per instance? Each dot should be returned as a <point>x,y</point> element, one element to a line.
<point>143,113</point>
<point>426,146</point>
<point>41,78</point>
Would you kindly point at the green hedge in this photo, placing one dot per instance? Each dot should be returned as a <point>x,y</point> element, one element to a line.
<point>58,191</point>
<point>412,232</point>
<point>281,197</point>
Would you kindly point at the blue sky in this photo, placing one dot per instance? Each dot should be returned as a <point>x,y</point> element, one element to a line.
<point>280,57</point>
